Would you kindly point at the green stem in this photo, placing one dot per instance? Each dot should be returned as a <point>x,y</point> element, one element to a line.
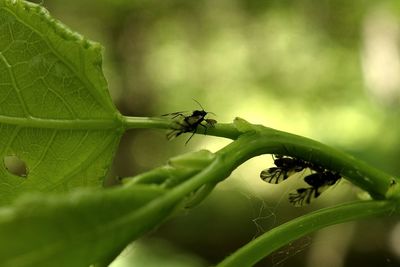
<point>229,158</point>
<point>276,238</point>
<point>221,166</point>
<point>260,141</point>
<point>271,141</point>
<point>252,140</point>
<point>146,122</point>
<point>226,130</point>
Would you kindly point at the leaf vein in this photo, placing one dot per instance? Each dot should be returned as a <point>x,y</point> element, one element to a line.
<point>93,91</point>
<point>15,85</point>
<point>84,164</point>
<point>45,150</point>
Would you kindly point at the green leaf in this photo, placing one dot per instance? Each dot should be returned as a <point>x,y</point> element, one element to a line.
<point>56,114</point>
<point>89,226</point>
<point>78,228</point>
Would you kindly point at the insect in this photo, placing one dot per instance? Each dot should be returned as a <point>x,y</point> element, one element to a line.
<point>285,167</point>
<point>190,123</point>
<point>319,180</point>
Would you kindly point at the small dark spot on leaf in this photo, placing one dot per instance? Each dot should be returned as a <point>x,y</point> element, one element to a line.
<point>14,165</point>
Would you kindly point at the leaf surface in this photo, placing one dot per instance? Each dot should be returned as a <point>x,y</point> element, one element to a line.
<point>89,226</point>
<point>56,114</point>
<point>77,229</point>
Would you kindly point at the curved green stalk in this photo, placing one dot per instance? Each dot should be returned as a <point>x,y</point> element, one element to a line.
<point>378,184</point>
<point>252,140</point>
<point>276,238</point>
<point>247,145</point>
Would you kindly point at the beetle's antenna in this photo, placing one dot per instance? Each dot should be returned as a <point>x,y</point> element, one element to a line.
<point>198,103</point>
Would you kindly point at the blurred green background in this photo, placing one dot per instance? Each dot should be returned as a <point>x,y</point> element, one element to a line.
<point>329,70</point>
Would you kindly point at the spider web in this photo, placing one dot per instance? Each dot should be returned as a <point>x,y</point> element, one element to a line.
<point>266,217</point>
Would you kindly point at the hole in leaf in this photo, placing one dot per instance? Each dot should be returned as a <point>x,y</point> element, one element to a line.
<point>15,166</point>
